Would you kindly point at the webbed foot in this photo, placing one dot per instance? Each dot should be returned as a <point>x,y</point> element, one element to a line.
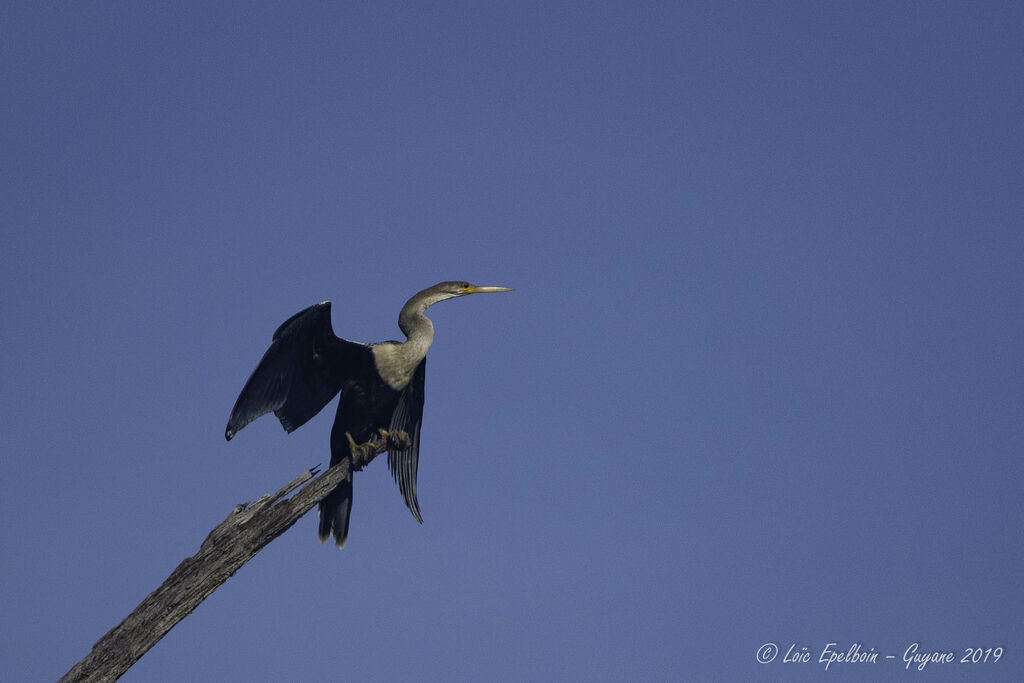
<point>362,453</point>
<point>396,439</point>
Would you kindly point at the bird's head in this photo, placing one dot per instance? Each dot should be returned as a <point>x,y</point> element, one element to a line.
<point>454,288</point>
<point>442,291</point>
<point>464,288</point>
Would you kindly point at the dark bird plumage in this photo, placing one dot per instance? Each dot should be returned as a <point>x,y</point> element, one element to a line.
<point>381,387</point>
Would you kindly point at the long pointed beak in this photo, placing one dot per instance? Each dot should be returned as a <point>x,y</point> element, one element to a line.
<point>473,289</point>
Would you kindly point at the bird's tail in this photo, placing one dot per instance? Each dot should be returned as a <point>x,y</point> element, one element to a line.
<point>334,513</point>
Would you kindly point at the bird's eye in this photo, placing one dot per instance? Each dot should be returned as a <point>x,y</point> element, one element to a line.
<point>465,285</point>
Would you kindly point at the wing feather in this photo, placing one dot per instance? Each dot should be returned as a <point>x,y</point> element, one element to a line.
<point>408,416</point>
<point>304,368</point>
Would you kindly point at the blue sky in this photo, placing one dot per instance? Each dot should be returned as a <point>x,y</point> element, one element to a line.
<point>760,379</point>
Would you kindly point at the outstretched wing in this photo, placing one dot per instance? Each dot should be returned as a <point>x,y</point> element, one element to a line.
<point>303,369</point>
<point>408,417</point>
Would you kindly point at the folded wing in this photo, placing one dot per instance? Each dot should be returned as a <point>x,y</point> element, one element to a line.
<point>408,417</point>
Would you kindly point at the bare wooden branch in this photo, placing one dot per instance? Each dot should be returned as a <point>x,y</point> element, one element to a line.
<point>232,543</point>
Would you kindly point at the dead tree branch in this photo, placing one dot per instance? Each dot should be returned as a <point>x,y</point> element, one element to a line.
<point>235,541</point>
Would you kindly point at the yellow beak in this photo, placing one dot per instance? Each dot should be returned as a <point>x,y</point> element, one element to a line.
<point>473,289</point>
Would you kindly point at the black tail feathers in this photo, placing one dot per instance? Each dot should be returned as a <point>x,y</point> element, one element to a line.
<point>334,513</point>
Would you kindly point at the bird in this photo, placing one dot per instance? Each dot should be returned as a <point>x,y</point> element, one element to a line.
<point>381,386</point>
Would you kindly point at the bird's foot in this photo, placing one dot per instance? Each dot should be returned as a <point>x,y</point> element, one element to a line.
<point>396,439</point>
<point>362,453</point>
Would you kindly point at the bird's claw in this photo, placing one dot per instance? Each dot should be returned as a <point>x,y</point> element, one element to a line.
<point>396,439</point>
<point>361,452</point>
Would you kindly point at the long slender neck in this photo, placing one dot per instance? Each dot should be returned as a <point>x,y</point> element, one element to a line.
<point>418,329</point>
<point>396,362</point>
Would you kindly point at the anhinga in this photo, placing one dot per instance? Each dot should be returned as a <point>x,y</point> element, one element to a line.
<point>381,388</point>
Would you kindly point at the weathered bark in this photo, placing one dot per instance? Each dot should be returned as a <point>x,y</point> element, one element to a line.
<point>235,541</point>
